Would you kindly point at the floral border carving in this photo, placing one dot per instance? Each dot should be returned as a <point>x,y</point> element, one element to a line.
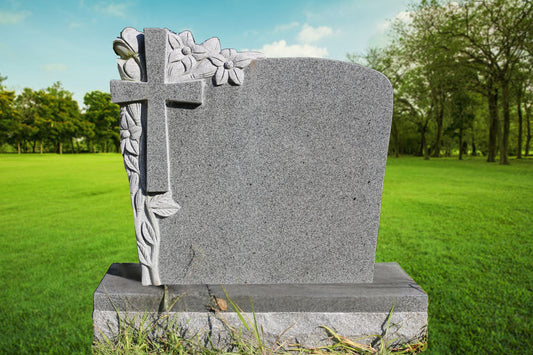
<point>186,61</point>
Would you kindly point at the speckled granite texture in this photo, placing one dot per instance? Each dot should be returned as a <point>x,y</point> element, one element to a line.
<point>280,179</point>
<point>353,310</point>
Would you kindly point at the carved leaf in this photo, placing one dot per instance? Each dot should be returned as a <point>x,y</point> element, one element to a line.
<point>205,69</point>
<point>139,201</point>
<point>199,52</point>
<point>212,45</point>
<point>132,69</point>
<point>163,205</point>
<point>123,118</point>
<point>134,183</point>
<point>135,132</point>
<point>121,72</point>
<point>175,71</point>
<point>134,147</point>
<point>134,111</point>
<point>123,146</point>
<point>217,59</point>
<point>243,59</point>
<point>148,233</point>
<point>130,146</point>
<point>131,163</point>
<point>144,254</point>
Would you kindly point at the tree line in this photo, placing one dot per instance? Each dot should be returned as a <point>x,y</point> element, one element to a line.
<point>50,120</point>
<point>462,78</point>
<point>461,73</point>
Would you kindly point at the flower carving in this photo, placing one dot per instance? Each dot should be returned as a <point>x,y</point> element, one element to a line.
<point>129,135</point>
<point>185,53</point>
<point>190,61</point>
<point>230,64</point>
<point>127,47</point>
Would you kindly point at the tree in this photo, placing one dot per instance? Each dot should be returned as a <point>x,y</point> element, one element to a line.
<point>10,127</point>
<point>492,37</point>
<point>58,116</point>
<point>104,118</point>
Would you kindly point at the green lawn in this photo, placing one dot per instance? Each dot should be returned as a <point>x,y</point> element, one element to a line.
<point>462,230</point>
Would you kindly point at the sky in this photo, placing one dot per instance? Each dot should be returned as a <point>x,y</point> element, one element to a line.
<point>44,41</point>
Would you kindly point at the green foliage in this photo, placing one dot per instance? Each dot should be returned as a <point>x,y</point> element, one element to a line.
<point>49,120</point>
<point>9,123</point>
<point>483,48</point>
<point>103,119</point>
<point>461,229</point>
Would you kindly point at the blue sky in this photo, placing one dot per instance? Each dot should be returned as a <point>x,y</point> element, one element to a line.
<point>71,41</point>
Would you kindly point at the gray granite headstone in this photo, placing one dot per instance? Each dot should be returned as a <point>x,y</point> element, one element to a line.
<point>260,174</point>
<point>278,174</point>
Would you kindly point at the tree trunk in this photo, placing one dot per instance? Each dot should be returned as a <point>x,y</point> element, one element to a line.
<point>18,147</point>
<point>423,143</point>
<point>439,116</point>
<point>41,146</point>
<point>461,143</point>
<point>474,152</point>
<point>504,142</point>
<point>60,148</point>
<point>395,139</point>
<point>520,119</point>
<point>528,130</point>
<point>493,123</point>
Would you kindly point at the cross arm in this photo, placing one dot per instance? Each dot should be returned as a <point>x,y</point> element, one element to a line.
<point>128,91</point>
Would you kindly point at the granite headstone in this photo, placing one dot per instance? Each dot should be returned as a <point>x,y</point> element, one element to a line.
<point>253,172</point>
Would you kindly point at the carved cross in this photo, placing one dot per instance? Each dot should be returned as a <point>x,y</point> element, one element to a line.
<point>156,93</point>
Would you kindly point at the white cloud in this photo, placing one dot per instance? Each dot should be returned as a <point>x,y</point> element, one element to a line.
<point>402,16</point>
<point>281,49</point>
<point>9,18</point>
<point>54,67</point>
<point>310,34</point>
<point>113,9</point>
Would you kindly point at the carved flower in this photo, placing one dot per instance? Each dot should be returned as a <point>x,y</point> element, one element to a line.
<point>127,48</point>
<point>129,135</point>
<point>129,69</point>
<point>185,53</point>
<point>229,65</point>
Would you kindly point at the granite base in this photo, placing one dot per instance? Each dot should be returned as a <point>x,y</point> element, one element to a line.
<point>355,311</point>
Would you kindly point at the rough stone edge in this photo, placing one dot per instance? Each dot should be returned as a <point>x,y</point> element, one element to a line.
<point>303,328</point>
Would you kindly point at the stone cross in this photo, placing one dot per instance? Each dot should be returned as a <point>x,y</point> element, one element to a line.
<point>156,92</point>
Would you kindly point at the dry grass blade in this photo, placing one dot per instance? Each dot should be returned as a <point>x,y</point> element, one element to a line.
<point>347,343</point>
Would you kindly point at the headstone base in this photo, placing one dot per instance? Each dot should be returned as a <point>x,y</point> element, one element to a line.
<point>392,306</point>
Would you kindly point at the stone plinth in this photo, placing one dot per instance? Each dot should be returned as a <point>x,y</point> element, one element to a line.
<point>352,310</point>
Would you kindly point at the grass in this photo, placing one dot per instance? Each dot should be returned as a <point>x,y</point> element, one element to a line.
<point>461,229</point>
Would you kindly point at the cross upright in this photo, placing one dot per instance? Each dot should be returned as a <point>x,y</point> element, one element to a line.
<point>156,93</point>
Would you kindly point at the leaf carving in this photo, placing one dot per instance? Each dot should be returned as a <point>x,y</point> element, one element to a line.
<point>139,201</point>
<point>163,205</point>
<point>148,233</point>
<point>134,183</point>
<point>131,163</point>
<point>144,254</point>
<point>134,110</point>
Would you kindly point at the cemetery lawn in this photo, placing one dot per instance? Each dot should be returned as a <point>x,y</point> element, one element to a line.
<point>462,229</point>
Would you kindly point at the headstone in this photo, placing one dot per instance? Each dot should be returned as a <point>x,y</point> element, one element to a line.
<point>264,175</point>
